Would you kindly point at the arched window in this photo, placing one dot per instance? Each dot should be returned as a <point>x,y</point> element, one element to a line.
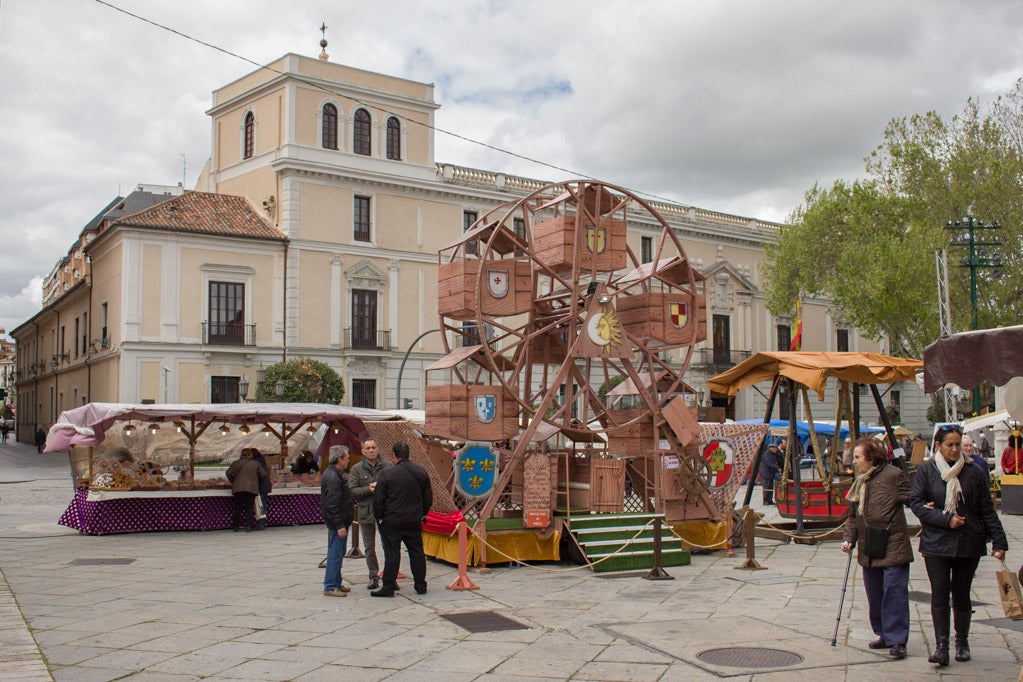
<point>250,135</point>
<point>329,136</point>
<point>361,142</point>
<point>393,139</point>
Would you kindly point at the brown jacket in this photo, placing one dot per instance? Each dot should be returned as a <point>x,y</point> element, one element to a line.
<point>887,493</point>
<point>244,475</point>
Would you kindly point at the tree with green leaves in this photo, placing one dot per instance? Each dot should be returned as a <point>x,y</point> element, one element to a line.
<point>304,381</point>
<point>869,244</point>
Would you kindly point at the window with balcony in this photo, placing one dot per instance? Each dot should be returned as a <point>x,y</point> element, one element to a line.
<point>224,389</point>
<point>360,219</point>
<point>364,319</point>
<point>362,133</point>
<point>364,393</point>
<point>394,139</point>
<point>226,314</point>
<point>722,337</point>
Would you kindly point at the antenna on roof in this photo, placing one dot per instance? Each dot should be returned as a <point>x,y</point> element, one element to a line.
<point>184,169</point>
<point>323,42</point>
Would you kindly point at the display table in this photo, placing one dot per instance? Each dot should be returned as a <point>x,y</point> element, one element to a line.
<point>103,512</point>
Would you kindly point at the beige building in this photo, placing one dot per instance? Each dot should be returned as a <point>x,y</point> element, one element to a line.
<point>353,209</point>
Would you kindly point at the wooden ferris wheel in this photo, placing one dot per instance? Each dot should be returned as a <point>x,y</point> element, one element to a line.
<point>569,328</point>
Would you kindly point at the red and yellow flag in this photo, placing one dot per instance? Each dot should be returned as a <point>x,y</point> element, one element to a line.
<point>797,326</point>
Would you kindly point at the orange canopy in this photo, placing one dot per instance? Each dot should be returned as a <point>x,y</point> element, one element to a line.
<point>813,370</point>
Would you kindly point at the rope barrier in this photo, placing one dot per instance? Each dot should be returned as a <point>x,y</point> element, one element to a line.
<point>804,535</point>
<point>696,545</point>
<point>588,563</point>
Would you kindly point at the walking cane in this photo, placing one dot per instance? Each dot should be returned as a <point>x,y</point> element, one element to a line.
<point>841,602</point>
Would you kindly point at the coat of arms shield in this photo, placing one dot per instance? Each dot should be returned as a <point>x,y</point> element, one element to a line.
<point>476,469</point>
<point>497,282</point>
<point>678,314</point>
<point>486,408</point>
<point>596,239</point>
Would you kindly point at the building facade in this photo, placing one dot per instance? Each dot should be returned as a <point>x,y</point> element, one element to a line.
<point>339,163</point>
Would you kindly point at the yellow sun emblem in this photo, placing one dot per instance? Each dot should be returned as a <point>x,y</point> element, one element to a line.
<point>604,329</point>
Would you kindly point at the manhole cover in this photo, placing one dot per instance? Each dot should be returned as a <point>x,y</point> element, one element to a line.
<point>484,621</point>
<point>749,657</point>
<point>101,562</point>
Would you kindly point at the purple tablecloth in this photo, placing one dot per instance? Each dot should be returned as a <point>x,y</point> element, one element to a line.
<point>149,513</point>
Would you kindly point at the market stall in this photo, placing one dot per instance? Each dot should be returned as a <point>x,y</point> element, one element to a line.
<point>161,467</point>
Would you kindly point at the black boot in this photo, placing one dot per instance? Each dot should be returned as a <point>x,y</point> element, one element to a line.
<point>962,623</point>
<point>940,617</point>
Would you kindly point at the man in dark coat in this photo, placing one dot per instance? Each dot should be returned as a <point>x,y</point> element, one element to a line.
<point>401,501</point>
<point>245,474</point>
<point>338,509</point>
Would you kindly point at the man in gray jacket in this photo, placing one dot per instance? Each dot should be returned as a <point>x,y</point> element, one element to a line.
<point>363,483</point>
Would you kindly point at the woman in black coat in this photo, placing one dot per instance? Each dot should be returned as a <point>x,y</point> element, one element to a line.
<point>957,519</point>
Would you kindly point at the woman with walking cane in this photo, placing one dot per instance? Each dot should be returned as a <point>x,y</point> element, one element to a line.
<point>957,519</point>
<point>877,528</point>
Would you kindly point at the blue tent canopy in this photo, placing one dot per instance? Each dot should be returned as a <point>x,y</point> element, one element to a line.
<point>803,429</point>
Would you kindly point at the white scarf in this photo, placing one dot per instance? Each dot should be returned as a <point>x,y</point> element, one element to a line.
<point>950,475</point>
<point>858,491</point>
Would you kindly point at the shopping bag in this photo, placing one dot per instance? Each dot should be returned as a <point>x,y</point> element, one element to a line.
<point>260,512</point>
<point>1009,592</point>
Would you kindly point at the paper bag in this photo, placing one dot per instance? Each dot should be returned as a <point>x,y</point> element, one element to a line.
<point>1009,592</point>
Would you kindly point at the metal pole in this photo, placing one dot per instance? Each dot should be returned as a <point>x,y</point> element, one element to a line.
<point>401,370</point>
<point>841,602</point>
<point>795,447</point>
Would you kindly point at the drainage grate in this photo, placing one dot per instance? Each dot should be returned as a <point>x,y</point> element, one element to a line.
<point>101,562</point>
<point>484,621</point>
<point>749,657</point>
<point>925,598</point>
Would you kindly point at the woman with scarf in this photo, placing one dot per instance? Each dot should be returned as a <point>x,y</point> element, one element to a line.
<point>877,497</point>
<point>957,519</point>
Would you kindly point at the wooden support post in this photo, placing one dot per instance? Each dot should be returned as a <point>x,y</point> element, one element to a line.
<point>749,518</point>
<point>463,582</point>
<point>657,573</point>
<point>354,552</point>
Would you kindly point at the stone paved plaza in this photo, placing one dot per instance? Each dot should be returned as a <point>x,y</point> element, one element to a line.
<point>248,606</point>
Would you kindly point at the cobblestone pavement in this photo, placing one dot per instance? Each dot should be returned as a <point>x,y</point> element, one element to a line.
<point>248,606</point>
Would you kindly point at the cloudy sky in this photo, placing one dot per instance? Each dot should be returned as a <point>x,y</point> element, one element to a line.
<point>735,106</point>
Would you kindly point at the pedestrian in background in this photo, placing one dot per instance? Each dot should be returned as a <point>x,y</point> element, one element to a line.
<point>363,484</point>
<point>957,519</point>
<point>976,458</point>
<point>401,501</point>
<point>1012,455</point>
<point>771,463</point>
<point>847,456</point>
<point>245,474</point>
<point>40,438</point>
<point>337,508</point>
<point>877,497</point>
<point>265,486</point>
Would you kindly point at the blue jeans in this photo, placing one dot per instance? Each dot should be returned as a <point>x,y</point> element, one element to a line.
<point>888,602</point>
<point>335,555</point>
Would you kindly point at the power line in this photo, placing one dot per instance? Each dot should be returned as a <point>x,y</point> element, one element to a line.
<point>330,91</point>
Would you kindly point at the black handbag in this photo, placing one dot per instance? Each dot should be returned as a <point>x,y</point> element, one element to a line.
<point>875,541</point>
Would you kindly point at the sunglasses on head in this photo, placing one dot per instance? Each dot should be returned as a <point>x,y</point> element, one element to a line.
<point>950,428</point>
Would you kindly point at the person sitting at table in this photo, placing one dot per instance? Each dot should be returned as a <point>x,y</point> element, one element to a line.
<point>304,464</point>
<point>245,474</point>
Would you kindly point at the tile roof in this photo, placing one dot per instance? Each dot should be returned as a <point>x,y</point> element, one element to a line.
<point>205,213</point>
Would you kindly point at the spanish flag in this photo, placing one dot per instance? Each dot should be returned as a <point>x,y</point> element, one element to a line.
<point>797,326</point>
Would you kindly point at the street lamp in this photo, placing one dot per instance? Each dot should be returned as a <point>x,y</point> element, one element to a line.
<point>243,389</point>
<point>279,388</point>
<point>965,236</point>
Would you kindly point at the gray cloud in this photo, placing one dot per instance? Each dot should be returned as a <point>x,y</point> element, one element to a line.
<point>732,106</point>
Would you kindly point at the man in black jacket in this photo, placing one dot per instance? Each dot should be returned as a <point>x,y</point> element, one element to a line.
<point>401,500</point>
<point>338,509</point>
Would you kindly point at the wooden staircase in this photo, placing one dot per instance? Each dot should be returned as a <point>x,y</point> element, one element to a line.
<point>601,535</point>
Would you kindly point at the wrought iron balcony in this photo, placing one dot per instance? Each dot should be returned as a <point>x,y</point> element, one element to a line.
<point>367,339</point>
<point>228,334</point>
<point>717,357</point>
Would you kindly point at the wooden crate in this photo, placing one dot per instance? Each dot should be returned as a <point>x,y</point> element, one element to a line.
<point>649,316</point>
<point>554,245</point>
<point>451,411</point>
<point>634,439</point>
<point>458,281</point>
